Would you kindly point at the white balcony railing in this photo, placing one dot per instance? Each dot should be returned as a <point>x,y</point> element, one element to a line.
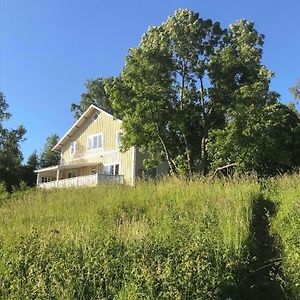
<point>89,180</point>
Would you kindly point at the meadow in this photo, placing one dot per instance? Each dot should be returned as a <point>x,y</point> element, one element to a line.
<point>285,226</point>
<point>172,239</point>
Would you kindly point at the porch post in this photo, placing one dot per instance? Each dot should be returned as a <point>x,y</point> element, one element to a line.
<point>38,179</point>
<point>133,162</point>
<point>57,176</point>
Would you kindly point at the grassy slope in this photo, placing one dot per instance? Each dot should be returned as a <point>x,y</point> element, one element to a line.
<point>285,192</point>
<point>171,240</point>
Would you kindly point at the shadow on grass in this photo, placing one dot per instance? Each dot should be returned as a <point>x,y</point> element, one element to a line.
<point>261,282</point>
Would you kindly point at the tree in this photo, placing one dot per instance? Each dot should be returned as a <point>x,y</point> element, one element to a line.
<point>4,114</point>
<point>48,157</point>
<point>292,106</point>
<point>199,97</point>
<point>161,94</point>
<point>33,161</point>
<point>10,153</point>
<point>95,94</point>
<point>267,141</point>
<point>260,133</point>
<point>26,172</point>
<point>295,90</point>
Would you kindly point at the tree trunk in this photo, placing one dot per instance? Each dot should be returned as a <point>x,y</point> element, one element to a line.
<point>172,165</point>
<point>187,150</point>
<point>188,156</point>
<point>203,155</point>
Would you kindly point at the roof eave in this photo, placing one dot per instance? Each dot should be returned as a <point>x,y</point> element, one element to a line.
<point>61,142</point>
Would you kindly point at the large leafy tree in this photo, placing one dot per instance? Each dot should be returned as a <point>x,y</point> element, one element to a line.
<point>95,94</point>
<point>198,96</point>
<point>48,157</point>
<point>261,134</point>
<point>10,153</point>
<point>162,95</point>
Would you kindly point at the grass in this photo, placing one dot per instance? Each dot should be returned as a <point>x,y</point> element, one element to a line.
<point>168,240</point>
<point>173,239</point>
<point>285,193</point>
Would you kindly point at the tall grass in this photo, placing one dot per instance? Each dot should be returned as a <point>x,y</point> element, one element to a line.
<point>285,192</point>
<point>171,239</point>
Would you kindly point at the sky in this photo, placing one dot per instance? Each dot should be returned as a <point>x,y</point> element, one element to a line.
<point>49,48</point>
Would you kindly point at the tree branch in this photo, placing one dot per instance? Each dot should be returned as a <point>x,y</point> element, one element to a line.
<point>222,168</point>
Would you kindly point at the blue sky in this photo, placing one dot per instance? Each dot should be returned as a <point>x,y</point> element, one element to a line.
<point>49,48</point>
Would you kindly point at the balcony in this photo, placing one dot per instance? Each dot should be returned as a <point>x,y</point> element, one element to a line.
<point>89,180</point>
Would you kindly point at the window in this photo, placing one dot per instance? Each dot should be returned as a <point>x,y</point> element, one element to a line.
<point>118,138</point>
<point>112,169</point>
<point>95,141</point>
<point>95,116</point>
<point>72,174</point>
<point>47,179</point>
<point>72,147</point>
<point>117,167</point>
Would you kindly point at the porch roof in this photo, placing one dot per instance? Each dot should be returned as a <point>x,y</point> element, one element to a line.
<point>65,167</point>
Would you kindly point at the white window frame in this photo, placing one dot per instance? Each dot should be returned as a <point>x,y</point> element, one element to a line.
<point>74,148</point>
<point>92,137</point>
<point>45,179</point>
<point>117,134</point>
<point>114,168</point>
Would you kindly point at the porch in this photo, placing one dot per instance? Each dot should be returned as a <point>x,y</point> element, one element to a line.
<point>63,176</point>
<point>88,180</point>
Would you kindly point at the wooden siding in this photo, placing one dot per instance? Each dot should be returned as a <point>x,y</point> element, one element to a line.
<point>85,161</point>
<point>109,154</point>
<point>105,125</point>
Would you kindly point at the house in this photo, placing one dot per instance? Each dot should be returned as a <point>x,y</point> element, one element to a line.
<point>90,155</point>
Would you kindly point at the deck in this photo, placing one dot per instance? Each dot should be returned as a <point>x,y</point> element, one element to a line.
<point>89,180</point>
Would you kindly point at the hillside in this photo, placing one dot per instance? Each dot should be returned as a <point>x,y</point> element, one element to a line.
<point>168,240</point>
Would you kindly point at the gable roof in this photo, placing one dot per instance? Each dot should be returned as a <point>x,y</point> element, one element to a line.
<point>70,133</point>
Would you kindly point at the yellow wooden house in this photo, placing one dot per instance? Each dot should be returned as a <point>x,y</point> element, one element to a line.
<point>90,155</point>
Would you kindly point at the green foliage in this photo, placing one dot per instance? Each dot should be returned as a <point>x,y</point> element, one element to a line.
<point>169,240</point>
<point>260,134</point>
<point>48,157</point>
<point>292,106</point>
<point>26,172</point>
<point>4,115</point>
<point>33,161</point>
<point>10,153</point>
<point>295,90</point>
<point>198,97</point>
<point>263,138</point>
<point>96,93</point>
<point>164,111</point>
